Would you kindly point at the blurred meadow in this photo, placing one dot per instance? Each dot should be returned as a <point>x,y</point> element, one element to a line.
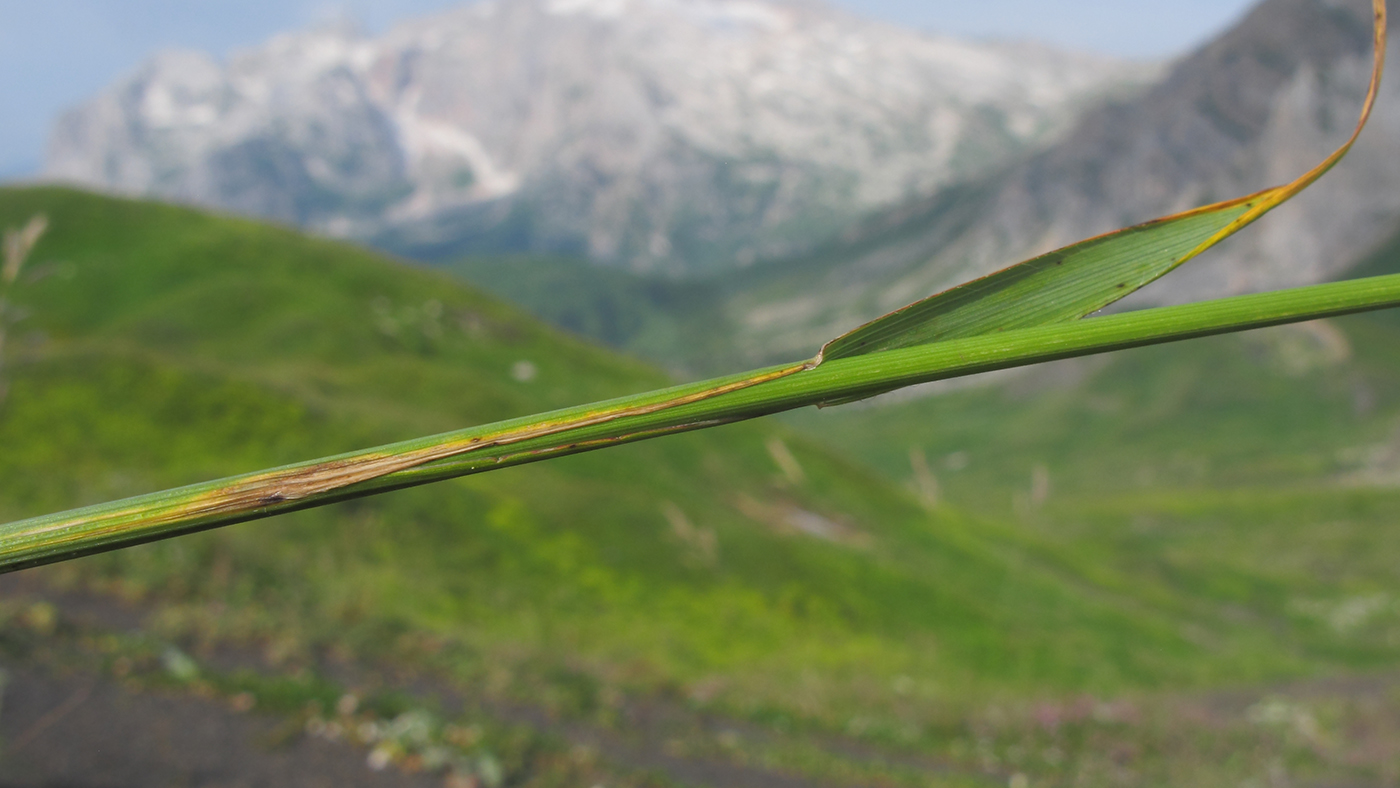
<point>1166,566</point>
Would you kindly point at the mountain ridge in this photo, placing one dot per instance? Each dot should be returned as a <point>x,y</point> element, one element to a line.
<point>659,135</point>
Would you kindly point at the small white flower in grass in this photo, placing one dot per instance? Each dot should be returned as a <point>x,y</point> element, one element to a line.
<point>413,728</point>
<point>490,771</point>
<point>380,758</point>
<point>179,665</point>
<point>524,371</point>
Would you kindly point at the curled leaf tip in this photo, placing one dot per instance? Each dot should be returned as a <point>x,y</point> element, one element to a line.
<point>1078,280</point>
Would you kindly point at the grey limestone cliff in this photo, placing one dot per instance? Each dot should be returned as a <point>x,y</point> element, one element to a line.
<point>660,135</point>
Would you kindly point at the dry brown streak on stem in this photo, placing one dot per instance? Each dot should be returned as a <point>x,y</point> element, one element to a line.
<point>598,443</point>
<point>302,483</point>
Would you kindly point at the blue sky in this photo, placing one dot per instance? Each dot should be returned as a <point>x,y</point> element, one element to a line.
<point>54,53</point>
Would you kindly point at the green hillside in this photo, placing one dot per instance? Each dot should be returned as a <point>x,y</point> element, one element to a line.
<point>769,313</point>
<point>745,570</point>
<point>166,346</point>
<point>677,324</point>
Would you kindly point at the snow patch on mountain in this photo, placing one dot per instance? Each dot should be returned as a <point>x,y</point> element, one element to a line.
<point>659,134</point>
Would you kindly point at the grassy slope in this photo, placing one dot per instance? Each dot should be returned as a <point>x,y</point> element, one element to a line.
<point>167,346</point>
<point>673,323</point>
<point>769,313</point>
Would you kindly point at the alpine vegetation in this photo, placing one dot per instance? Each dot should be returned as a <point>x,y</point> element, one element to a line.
<point>1040,310</point>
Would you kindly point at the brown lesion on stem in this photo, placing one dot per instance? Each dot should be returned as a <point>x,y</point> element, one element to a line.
<point>292,485</point>
<point>303,483</point>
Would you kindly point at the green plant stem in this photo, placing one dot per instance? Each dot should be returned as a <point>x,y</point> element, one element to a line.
<point>199,507</point>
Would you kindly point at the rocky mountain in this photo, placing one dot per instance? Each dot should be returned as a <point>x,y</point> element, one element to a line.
<point>1256,107</point>
<point>660,135</point>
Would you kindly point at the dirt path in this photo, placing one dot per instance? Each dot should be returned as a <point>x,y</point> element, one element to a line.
<point>64,728</point>
<point>79,731</point>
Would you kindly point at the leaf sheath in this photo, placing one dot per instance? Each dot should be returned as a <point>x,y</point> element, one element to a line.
<point>200,507</point>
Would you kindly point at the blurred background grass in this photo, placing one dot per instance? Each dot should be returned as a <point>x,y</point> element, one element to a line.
<point>1065,575</point>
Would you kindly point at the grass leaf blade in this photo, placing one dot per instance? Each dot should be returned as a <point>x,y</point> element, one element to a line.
<point>171,513</point>
<point>1083,278</point>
